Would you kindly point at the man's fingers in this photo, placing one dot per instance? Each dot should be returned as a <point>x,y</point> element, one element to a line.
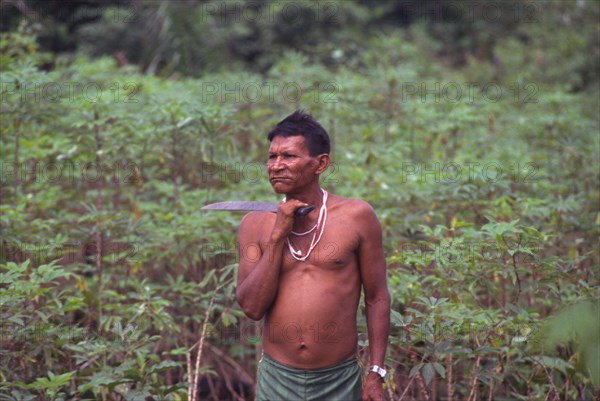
<point>290,206</point>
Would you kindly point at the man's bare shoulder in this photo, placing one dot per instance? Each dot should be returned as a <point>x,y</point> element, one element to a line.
<point>360,216</point>
<point>354,206</point>
<point>255,222</point>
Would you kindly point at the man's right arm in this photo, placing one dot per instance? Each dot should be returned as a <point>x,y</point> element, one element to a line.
<point>260,264</point>
<point>261,257</point>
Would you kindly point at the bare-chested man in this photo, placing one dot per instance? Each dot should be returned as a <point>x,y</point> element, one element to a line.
<point>304,276</point>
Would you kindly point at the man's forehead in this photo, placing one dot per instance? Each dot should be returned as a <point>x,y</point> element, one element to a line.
<point>294,142</point>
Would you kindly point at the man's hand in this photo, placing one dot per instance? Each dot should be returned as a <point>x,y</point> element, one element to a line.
<point>373,390</point>
<point>285,219</point>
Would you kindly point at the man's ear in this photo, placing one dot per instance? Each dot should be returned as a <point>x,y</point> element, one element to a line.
<point>324,161</point>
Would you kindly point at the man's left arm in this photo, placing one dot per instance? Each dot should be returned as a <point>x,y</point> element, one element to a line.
<point>377,297</point>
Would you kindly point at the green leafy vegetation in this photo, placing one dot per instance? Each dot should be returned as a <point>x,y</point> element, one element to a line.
<point>474,138</point>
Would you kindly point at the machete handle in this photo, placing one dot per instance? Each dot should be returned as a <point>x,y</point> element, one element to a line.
<point>303,211</point>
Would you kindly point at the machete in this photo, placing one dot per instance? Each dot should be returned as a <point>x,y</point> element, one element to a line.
<point>254,206</point>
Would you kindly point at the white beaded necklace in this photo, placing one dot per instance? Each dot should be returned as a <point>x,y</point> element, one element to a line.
<point>313,243</point>
<point>305,232</point>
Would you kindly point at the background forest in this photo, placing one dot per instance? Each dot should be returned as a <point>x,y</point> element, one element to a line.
<point>470,126</point>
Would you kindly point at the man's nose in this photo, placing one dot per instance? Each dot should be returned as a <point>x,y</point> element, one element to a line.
<point>276,164</point>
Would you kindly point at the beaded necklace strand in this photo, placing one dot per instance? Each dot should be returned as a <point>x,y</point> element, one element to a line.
<point>315,239</point>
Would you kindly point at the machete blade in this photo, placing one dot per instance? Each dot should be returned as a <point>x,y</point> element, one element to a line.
<point>243,206</point>
<point>256,206</point>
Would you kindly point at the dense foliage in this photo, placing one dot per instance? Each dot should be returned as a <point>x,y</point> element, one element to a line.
<point>480,156</point>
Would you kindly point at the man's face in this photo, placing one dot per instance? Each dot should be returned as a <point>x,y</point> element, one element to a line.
<point>290,165</point>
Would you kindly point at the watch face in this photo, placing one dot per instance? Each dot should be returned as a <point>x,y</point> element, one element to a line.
<point>380,371</point>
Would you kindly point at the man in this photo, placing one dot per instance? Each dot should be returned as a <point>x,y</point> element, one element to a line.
<point>304,275</point>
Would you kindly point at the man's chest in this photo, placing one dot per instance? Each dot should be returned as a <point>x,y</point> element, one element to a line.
<point>333,249</point>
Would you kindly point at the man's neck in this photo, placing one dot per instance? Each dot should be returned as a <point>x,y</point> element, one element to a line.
<point>313,196</point>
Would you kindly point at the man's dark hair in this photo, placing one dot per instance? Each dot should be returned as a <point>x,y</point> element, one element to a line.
<point>303,124</point>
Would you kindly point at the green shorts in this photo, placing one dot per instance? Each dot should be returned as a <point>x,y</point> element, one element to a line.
<point>277,382</point>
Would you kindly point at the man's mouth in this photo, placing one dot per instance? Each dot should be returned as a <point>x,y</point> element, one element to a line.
<point>278,179</point>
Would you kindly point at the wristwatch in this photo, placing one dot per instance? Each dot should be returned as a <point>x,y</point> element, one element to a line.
<point>379,370</point>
